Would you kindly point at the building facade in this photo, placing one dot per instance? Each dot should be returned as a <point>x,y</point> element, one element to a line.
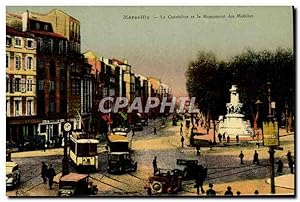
<point>21,97</point>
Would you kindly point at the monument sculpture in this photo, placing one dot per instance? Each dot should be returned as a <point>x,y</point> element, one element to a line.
<point>234,123</point>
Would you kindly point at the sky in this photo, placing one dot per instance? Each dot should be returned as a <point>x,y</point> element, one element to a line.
<point>163,45</point>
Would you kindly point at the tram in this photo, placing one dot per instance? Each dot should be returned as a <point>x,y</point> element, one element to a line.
<point>83,151</point>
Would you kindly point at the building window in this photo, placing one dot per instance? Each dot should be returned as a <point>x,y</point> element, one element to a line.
<point>52,86</point>
<point>40,44</point>
<point>8,41</point>
<point>29,43</point>
<point>18,42</point>
<point>7,108</point>
<point>29,107</point>
<point>7,60</point>
<point>46,27</point>
<point>17,85</point>
<point>29,62</point>
<point>40,84</point>
<point>18,62</point>
<point>29,85</point>
<point>7,84</point>
<point>37,25</point>
<point>52,106</point>
<point>18,107</point>
<point>61,47</point>
<point>23,85</point>
<point>51,45</point>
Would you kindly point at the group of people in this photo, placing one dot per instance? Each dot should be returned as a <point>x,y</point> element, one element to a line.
<point>228,192</point>
<point>48,173</point>
<point>227,140</point>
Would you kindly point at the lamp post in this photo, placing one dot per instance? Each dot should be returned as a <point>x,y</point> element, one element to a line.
<point>271,148</point>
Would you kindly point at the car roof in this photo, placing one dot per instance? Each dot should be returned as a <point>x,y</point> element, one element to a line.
<point>73,177</point>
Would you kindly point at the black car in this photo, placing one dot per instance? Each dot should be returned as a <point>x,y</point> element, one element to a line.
<point>138,127</point>
<point>189,168</point>
<point>121,162</point>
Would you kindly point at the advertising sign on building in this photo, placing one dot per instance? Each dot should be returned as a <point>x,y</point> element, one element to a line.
<point>270,133</point>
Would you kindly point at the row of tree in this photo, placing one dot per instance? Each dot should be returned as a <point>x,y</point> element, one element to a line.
<point>209,79</point>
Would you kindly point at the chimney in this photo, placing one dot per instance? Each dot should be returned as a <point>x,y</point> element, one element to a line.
<point>25,17</point>
<point>125,61</point>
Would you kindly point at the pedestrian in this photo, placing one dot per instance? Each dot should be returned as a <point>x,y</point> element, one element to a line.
<point>154,131</point>
<point>210,144</point>
<point>241,157</point>
<point>154,163</point>
<point>181,131</point>
<point>198,149</point>
<point>224,138</point>
<point>220,137</point>
<point>289,155</point>
<point>200,176</point>
<point>44,172</point>
<point>182,140</point>
<point>228,192</point>
<point>291,165</point>
<point>228,139</point>
<point>255,158</point>
<point>50,174</point>
<point>210,191</point>
<point>237,138</point>
<point>280,166</point>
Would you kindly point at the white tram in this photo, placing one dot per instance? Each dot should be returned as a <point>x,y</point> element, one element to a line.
<point>83,152</point>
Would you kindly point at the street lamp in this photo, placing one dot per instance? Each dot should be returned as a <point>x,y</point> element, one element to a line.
<point>269,99</point>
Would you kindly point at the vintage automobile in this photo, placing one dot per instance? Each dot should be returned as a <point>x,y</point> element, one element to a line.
<point>74,184</point>
<point>138,127</point>
<point>189,168</point>
<point>144,122</point>
<point>13,177</point>
<point>164,181</point>
<point>121,162</point>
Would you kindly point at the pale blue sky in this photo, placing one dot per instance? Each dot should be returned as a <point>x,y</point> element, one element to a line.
<point>163,47</point>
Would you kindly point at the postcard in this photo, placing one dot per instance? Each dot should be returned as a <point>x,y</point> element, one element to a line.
<point>150,101</point>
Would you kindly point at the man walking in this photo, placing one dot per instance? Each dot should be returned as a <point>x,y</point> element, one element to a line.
<point>154,131</point>
<point>291,165</point>
<point>255,158</point>
<point>154,163</point>
<point>182,141</point>
<point>50,174</point>
<point>228,139</point>
<point>280,166</point>
<point>44,172</point>
<point>241,157</point>
<point>220,137</point>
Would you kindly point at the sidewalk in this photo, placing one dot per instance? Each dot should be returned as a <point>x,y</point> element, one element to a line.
<point>285,181</point>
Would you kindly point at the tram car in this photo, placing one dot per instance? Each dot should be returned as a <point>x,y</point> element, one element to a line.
<point>83,152</point>
<point>125,132</point>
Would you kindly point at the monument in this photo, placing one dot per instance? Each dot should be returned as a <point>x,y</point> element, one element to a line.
<point>234,123</point>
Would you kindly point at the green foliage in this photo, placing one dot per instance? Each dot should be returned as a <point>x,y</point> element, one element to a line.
<point>209,80</point>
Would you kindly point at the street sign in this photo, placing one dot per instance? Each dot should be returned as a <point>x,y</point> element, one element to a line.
<point>270,133</point>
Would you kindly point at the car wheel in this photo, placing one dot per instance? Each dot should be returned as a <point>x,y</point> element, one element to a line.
<point>156,187</point>
<point>135,167</point>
